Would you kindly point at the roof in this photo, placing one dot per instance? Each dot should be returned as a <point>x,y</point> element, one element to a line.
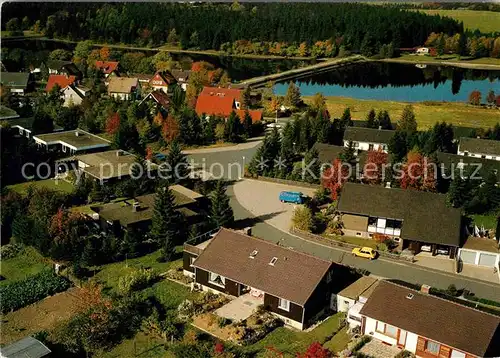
<point>27,347</point>
<point>222,92</point>
<point>142,77</point>
<point>181,75</point>
<point>480,146</point>
<point>7,113</point>
<point>450,161</point>
<point>27,124</point>
<point>255,114</point>
<point>57,64</point>
<point>482,244</point>
<point>293,277</point>
<point>108,164</point>
<point>362,287</point>
<point>15,79</point>
<point>159,97</point>
<point>122,211</point>
<point>370,135</point>
<point>107,66</point>
<point>186,192</point>
<point>447,322</point>
<point>426,216</point>
<point>82,141</point>
<point>164,76</point>
<point>327,153</point>
<point>214,105</point>
<point>62,80</point>
<point>122,84</point>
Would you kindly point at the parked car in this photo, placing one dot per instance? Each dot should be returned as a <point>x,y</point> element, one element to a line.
<point>365,252</point>
<point>292,197</point>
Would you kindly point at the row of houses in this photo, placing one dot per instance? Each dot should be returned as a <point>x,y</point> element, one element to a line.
<point>300,289</point>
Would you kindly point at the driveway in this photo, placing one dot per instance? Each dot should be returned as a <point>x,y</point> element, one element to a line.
<point>262,200</point>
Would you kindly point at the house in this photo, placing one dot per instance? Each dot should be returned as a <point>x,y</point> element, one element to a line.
<point>416,220</point>
<point>158,101</point>
<point>292,285</point>
<point>182,77</point>
<point>137,213</point>
<point>429,326</point>
<point>124,88</point>
<point>72,142</point>
<point>422,51</point>
<point>7,113</point>
<point>26,347</point>
<point>62,81</point>
<point>16,82</point>
<point>368,138</point>
<point>162,81</point>
<point>479,148</point>
<point>480,251</point>
<point>73,95</point>
<point>25,126</point>
<point>68,68</point>
<point>108,68</point>
<point>143,78</point>
<point>358,291</point>
<point>455,164</point>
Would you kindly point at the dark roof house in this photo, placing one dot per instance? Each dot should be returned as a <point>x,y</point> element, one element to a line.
<point>454,162</point>
<point>368,135</point>
<point>15,80</point>
<point>479,146</point>
<point>63,67</point>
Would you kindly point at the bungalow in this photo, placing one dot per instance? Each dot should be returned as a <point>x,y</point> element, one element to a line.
<point>143,78</point>
<point>73,95</point>
<point>368,138</point>
<point>16,82</point>
<point>429,326</point>
<point>451,164</point>
<point>292,285</point>
<point>27,347</point>
<point>108,68</point>
<point>25,126</point>
<point>124,88</point>
<point>159,101</point>
<point>162,81</point>
<point>68,68</point>
<point>137,213</point>
<point>479,148</point>
<point>416,220</point>
<point>108,165</point>
<point>76,141</point>
<point>181,77</point>
<point>62,81</point>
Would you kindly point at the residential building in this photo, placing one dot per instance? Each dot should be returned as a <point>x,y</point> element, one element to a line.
<point>429,326</point>
<point>25,126</point>
<point>62,81</point>
<point>416,220</point>
<point>72,142</point>
<point>26,347</point>
<point>108,68</point>
<point>124,88</point>
<point>182,77</point>
<point>479,148</point>
<point>368,138</point>
<point>137,213</point>
<point>480,251</point>
<point>423,51</point>
<point>455,164</point>
<point>292,285</point>
<point>16,82</point>
<point>358,291</point>
<point>143,78</point>
<point>73,95</point>
<point>162,81</point>
<point>158,101</point>
<point>68,68</point>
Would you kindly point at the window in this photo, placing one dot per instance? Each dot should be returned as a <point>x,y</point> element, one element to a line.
<point>253,254</point>
<point>273,261</point>
<point>387,329</point>
<point>358,234</point>
<point>432,347</point>
<point>372,221</point>
<point>356,144</point>
<point>191,260</point>
<point>483,156</point>
<point>384,147</point>
<point>370,146</point>
<point>380,327</point>
<point>216,279</point>
<point>283,304</point>
<point>457,354</point>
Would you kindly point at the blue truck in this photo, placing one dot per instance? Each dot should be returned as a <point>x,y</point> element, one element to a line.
<point>291,197</point>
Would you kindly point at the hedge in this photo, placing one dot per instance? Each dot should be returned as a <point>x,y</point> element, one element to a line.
<point>30,290</point>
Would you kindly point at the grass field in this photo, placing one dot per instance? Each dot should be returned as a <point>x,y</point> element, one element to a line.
<point>26,263</point>
<point>454,60</point>
<point>485,21</point>
<point>488,221</point>
<point>458,114</point>
<point>60,185</point>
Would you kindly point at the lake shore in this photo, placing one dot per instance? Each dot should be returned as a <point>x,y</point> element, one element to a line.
<point>427,113</point>
<point>486,63</point>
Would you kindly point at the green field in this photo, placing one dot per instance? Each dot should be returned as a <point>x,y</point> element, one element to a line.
<point>28,262</point>
<point>427,114</point>
<point>453,60</point>
<point>60,185</point>
<point>485,21</point>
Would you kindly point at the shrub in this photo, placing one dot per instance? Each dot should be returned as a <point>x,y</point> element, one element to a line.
<point>137,280</point>
<point>10,250</point>
<point>404,354</point>
<point>382,247</point>
<point>223,322</point>
<point>452,290</point>
<point>30,290</point>
<point>390,243</point>
<point>362,341</point>
<point>302,218</point>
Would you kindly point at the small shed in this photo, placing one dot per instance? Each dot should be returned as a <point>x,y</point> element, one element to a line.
<point>26,347</point>
<point>359,291</point>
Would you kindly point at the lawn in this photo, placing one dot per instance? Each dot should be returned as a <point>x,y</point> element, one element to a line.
<point>427,114</point>
<point>488,221</point>
<point>339,342</point>
<point>140,345</point>
<point>60,185</point>
<point>485,21</point>
<point>448,58</point>
<point>7,112</point>
<point>289,342</point>
<point>28,262</point>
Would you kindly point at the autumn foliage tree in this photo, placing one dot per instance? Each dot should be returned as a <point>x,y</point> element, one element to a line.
<point>334,177</point>
<point>475,98</point>
<point>374,167</point>
<point>418,173</point>
<point>315,350</point>
<point>113,123</point>
<point>68,230</point>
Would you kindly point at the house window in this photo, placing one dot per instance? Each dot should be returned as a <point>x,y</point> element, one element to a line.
<point>216,279</point>
<point>457,354</point>
<point>380,327</point>
<point>483,156</point>
<point>384,148</point>
<point>284,304</point>
<point>358,234</point>
<point>370,146</point>
<point>191,260</point>
<point>432,347</point>
<point>253,254</point>
<point>387,329</point>
<point>372,221</point>
<point>356,144</point>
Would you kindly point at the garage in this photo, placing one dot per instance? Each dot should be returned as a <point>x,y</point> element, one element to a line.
<point>468,257</point>
<point>486,259</point>
<point>480,251</point>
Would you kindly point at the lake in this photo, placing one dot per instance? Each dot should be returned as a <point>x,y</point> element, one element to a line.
<point>398,82</point>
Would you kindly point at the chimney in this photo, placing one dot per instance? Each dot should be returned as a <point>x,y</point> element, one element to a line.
<point>136,206</point>
<point>379,127</point>
<point>77,133</point>
<point>425,289</point>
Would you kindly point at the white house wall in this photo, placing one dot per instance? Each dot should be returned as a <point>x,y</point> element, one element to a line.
<point>411,342</point>
<point>478,155</point>
<point>370,329</point>
<point>366,146</point>
<point>344,303</point>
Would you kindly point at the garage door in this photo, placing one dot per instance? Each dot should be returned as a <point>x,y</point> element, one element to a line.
<point>487,260</point>
<point>468,257</point>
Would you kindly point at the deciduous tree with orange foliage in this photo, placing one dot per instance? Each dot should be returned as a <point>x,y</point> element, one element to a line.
<point>418,173</point>
<point>334,177</point>
<point>113,123</point>
<point>475,98</point>
<point>170,129</point>
<point>374,171</point>
<point>104,53</point>
<point>315,350</point>
<point>68,229</point>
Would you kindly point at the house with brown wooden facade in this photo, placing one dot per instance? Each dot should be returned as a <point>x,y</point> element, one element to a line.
<point>294,286</point>
<point>429,326</point>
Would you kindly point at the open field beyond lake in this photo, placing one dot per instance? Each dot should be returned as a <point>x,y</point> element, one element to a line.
<point>458,114</point>
<point>485,21</point>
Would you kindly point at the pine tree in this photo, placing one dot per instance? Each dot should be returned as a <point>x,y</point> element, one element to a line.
<point>384,121</point>
<point>177,163</point>
<point>292,97</point>
<point>371,121</point>
<point>233,129</point>
<point>312,166</point>
<point>221,212</point>
<point>407,122</point>
<point>346,119</point>
<point>166,228</point>
<point>96,194</point>
<point>247,125</point>
<point>246,98</point>
<point>348,154</point>
<point>398,146</point>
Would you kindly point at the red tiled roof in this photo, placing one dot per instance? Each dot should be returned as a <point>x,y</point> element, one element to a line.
<point>214,105</point>
<point>106,66</point>
<point>222,92</point>
<point>62,80</point>
<point>161,98</point>
<point>254,113</point>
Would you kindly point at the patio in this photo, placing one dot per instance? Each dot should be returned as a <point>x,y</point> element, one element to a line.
<point>378,349</point>
<point>240,308</point>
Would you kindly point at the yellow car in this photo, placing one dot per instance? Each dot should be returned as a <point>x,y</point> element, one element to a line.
<point>366,252</point>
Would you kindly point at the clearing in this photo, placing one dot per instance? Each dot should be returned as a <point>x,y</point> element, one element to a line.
<point>26,263</point>
<point>485,21</point>
<point>427,114</point>
<point>487,63</point>
<point>60,185</point>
